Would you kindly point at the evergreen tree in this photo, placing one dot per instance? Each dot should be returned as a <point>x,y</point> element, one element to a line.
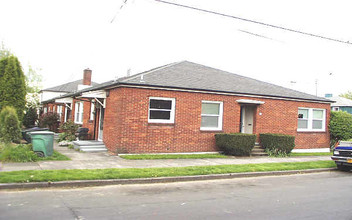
<point>12,85</point>
<point>9,125</point>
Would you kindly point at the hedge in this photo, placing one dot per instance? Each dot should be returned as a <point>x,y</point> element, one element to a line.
<point>277,143</point>
<point>236,144</point>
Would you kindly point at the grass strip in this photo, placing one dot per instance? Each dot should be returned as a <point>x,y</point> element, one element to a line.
<point>55,156</point>
<point>171,156</point>
<point>129,173</point>
<point>311,154</point>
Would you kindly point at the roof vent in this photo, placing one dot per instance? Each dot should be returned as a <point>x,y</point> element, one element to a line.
<point>142,79</point>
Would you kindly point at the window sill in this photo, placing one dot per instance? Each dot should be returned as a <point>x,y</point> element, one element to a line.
<point>310,131</point>
<point>211,130</point>
<point>161,124</point>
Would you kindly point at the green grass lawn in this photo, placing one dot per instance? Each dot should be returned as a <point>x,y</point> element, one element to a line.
<point>311,154</point>
<point>129,173</point>
<point>56,156</point>
<point>171,156</point>
<point>23,153</point>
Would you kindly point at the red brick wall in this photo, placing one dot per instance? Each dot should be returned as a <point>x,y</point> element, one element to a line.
<point>126,127</point>
<point>87,123</point>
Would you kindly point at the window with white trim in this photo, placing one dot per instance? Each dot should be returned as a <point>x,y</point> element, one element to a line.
<point>79,112</point>
<point>59,111</point>
<point>161,110</point>
<point>335,109</point>
<point>311,119</point>
<point>211,116</point>
<point>45,110</point>
<point>92,108</point>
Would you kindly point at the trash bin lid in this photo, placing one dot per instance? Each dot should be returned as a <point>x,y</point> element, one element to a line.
<point>42,132</point>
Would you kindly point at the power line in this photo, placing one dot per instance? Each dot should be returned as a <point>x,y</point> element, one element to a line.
<point>123,4</point>
<point>255,22</point>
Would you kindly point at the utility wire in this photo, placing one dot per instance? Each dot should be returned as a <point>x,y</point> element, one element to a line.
<point>255,22</point>
<point>123,4</point>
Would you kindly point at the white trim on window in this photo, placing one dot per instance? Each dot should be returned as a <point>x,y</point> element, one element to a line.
<point>92,108</point>
<point>310,120</point>
<point>45,110</point>
<point>336,109</point>
<point>59,111</point>
<point>219,116</point>
<point>172,111</point>
<point>79,112</point>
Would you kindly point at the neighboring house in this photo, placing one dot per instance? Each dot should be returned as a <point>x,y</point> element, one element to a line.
<point>181,106</point>
<point>50,97</point>
<point>341,104</point>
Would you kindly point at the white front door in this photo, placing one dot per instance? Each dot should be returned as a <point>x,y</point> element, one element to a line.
<point>101,123</point>
<point>247,119</point>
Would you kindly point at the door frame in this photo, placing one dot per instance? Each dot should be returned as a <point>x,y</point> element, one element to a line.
<point>99,124</point>
<point>243,118</point>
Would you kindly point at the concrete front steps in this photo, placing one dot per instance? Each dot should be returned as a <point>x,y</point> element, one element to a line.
<point>258,151</point>
<point>90,146</point>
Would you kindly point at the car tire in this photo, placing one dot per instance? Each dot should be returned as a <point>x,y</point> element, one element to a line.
<point>343,168</point>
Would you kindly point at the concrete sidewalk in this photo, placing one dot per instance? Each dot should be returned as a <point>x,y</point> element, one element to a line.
<point>104,160</point>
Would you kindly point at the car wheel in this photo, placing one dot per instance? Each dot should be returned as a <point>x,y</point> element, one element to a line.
<point>343,168</point>
<point>40,154</point>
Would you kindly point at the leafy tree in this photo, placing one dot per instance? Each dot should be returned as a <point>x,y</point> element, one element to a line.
<point>9,125</point>
<point>340,127</point>
<point>33,80</point>
<point>347,95</point>
<point>12,85</point>
<point>33,86</point>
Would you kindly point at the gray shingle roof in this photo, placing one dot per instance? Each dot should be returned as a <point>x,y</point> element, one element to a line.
<point>188,75</point>
<point>192,76</point>
<point>67,87</point>
<point>341,101</point>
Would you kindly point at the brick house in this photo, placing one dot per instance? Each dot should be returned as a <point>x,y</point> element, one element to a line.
<point>179,107</point>
<point>58,99</point>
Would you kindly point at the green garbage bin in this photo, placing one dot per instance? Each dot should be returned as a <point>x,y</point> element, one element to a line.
<point>43,143</point>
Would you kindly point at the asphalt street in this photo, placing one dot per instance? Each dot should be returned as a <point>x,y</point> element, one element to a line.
<point>306,196</point>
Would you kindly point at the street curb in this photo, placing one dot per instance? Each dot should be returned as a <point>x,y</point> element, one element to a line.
<point>88,183</point>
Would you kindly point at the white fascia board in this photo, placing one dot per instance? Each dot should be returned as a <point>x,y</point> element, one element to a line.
<point>64,100</point>
<point>249,101</point>
<point>99,94</point>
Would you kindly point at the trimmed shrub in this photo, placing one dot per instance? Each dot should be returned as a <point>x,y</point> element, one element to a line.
<point>18,153</point>
<point>340,127</point>
<point>9,125</point>
<point>50,120</point>
<point>236,144</point>
<point>68,131</point>
<point>277,144</point>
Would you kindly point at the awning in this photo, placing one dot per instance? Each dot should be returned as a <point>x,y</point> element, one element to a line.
<point>64,100</point>
<point>99,94</point>
<point>250,101</point>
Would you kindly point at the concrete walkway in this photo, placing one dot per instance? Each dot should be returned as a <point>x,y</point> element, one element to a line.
<point>104,160</point>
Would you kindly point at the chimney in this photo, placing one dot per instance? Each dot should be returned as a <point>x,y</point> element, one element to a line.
<point>87,77</point>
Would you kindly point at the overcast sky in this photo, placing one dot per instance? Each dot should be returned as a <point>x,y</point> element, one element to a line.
<point>64,37</point>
